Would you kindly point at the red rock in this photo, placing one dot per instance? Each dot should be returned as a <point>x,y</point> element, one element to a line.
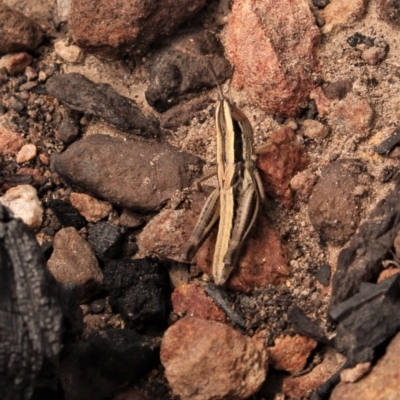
<point>92,209</point>
<point>352,117</point>
<point>191,300</point>
<point>381,383</point>
<point>206,360</point>
<point>15,62</point>
<point>73,261</point>
<point>321,101</point>
<point>262,261</point>
<point>278,162</point>
<point>290,353</point>
<point>298,387</point>
<point>10,141</point>
<point>339,14</point>
<point>272,45</point>
<point>18,32</point>
<point>302,183</point>
<point>35,173</point>
<point>108,28</point>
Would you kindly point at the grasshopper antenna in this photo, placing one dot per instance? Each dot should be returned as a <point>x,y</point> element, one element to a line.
<point>212,71</point>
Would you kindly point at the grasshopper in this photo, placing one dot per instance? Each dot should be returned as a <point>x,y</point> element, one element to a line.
<point>236,200</point>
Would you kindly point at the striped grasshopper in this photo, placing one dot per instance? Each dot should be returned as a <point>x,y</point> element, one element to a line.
<point>236,200</point>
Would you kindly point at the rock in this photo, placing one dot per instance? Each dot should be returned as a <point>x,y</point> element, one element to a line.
<point>339,14</point>
<point>113,28</point>
<point>387,273</point>
<point>263,61</point>
<point>30,73</point>
<point>106,239</point>
<point>138,291</point>
<point>381,383</point>
<point>321,101</point>
<point>101,100</point>
<point>262,261</point>
<point>333,206</point>
<point>122,358</point>
<point>68,130</point>
<point>166,235</point>
<point>373,55</point>
<point>280,159</point>
<point>10,141</point>
<point>63,8</point>
<point>15,104</point>
<point>362,260</point>
<point>209,360</point>
<point>389,11</point>
<point>324,275</point>
<point>351,375</point>
<point>296,387</point>
<point>314,129</point>
<point>18,33</point>
<point>397,244</point>
<point>33,173</point>
<point>74,261</point>
<point>290,353</point>
<point>92,209</point>
<point>302,183</point>
<point>15,62</point>
<point>183,67</point>
<point>386,147</point>
<point>338,89</point>
<point>192,301</point>
<point>24,203</point>
<point>27,152</point>
<point>67,214</point>
<point>130,219</point>
<point>138,175</point>
<point>69,53</point>
<point>352,117</point>
<point>320,3</point>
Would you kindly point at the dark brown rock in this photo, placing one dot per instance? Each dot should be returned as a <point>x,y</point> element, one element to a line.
<point>191,62</point>
<point>209,360</point>
<point>130,174</point>
<point>381,383</point>
<point>74,261</point>
<point>101,100</point>
<point>110,28</point>
<point>279,161</point>
<point>338,89</point>
<point>191,300</point>
<point>18,32</point>
<point>333,205</point>
<point>264,37</point>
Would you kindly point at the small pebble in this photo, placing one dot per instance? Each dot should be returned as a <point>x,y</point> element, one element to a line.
<point>30,73</point>
<point>71,54</point>
<point>15,62</point>
<point>28,86</point>
<point>44,159</point>
<point>15,104</point>
<point>28,152</point>
<point>314,129</point>
<point>97,306</point>
<point>320,3</point>
<point>373,55</point>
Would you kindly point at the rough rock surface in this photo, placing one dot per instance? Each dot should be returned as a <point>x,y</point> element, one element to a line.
<point>100,99</point>
<point>15,62</point>
<point>108,28</point>
<point>280,159</point>
<point>381,383</point>
<point>273,48</point>
<point>333,205</point>
<point>74,261</point>
<point>92,209</point>
<point>135,175</point>
<point>18,32</point>
<point>10,141</point>
<point>209,360</point>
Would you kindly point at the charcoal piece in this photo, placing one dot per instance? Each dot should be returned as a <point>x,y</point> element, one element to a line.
<point>305,326</point>
<point>138,290</point>
<point>67,214</point>
<point>108,361</point>
<point>30,313</point>
<point>101,100</point>
<point>362,260</point>
<point>388,144</point>
<point>215,293</point>
<point>106,239</point>
<point>324,275</point>
<point>367,319</point>
<point>183,67</point>
<point>359,38</point>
